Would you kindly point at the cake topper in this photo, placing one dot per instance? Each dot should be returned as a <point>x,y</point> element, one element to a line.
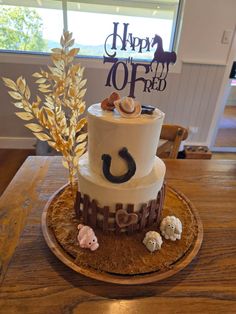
<point>147,109</point>
<point>162,57</point>
<point>128,107</point>
<point>108,103</point>
<point>151,80</point>
<point>56,117</point>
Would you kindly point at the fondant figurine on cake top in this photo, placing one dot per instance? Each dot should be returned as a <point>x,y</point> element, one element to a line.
<point>128,107</point>
<point>108,103</point>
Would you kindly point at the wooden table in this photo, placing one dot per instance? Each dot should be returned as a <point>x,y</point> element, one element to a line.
<point>34,281</point>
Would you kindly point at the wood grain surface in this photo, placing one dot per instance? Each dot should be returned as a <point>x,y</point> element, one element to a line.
<point>10,161</point>
<point>33,280</point>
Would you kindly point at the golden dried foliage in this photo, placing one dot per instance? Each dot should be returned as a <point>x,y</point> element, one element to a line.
<point>56,116</point>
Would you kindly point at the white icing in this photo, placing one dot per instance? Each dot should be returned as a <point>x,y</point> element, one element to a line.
<point>109,132</point>
<point>136,191</point>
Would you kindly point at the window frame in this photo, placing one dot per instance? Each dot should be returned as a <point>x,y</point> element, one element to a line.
<point>43,58</point>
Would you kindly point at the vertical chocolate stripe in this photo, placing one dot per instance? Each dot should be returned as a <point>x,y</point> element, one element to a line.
<point>105,218</point>
<point>159,208</point>
<point>161,202</point>
<point>118,206</point>
<point>152,212</point>
<point>93,217</point>
<point>144,214</point>
<point>85,209</point>
<point>130,209</point>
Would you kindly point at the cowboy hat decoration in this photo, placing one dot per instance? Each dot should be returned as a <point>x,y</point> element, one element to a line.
<point>108,103</point>
<point>128,107</point>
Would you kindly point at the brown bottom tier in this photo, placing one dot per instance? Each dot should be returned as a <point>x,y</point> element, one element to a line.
<point>122,254</point>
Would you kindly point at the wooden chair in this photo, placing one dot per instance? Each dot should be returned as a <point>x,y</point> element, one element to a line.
<point>171,136</point>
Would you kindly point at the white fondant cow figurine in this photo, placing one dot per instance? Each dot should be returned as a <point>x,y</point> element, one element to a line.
<point>152,241</point>
<point>87,238</point>
<point>171,228</point>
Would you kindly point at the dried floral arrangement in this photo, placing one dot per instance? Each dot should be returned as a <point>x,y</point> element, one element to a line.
<point>56,117</point>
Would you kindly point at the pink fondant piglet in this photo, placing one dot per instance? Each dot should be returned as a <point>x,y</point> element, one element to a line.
<point>87,238</point>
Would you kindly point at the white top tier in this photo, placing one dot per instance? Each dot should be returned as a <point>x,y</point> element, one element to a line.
<point>108,133</point>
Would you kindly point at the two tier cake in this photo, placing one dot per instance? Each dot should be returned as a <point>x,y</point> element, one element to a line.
<point>120,201</point>
<point>140,190</point>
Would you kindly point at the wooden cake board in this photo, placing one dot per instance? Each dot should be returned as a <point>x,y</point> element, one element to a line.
<point>154,276</point>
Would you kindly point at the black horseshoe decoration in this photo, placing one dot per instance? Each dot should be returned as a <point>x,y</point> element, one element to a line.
<point>123,153</point>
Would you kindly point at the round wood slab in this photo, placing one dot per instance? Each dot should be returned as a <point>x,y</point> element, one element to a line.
<point>68,260</point>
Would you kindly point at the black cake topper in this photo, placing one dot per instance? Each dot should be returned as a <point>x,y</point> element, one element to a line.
<point>161,56</point>
<point>157,81</point>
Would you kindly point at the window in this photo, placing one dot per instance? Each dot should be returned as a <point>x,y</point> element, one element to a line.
<point>36,26</point>
<point>26,25</point>
<point>145,18</point>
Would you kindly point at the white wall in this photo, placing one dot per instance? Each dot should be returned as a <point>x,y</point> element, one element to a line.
<point>203,26</point>
<point>191,95</point>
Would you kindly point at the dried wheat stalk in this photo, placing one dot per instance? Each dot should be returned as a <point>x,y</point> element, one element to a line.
<point>56,118</point>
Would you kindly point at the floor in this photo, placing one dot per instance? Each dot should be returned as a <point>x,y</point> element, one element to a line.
<point>226,136</point>
<point>10,162</point>
<point>12,159</point>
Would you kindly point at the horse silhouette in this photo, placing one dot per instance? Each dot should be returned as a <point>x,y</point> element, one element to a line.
<point>161,56</point>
